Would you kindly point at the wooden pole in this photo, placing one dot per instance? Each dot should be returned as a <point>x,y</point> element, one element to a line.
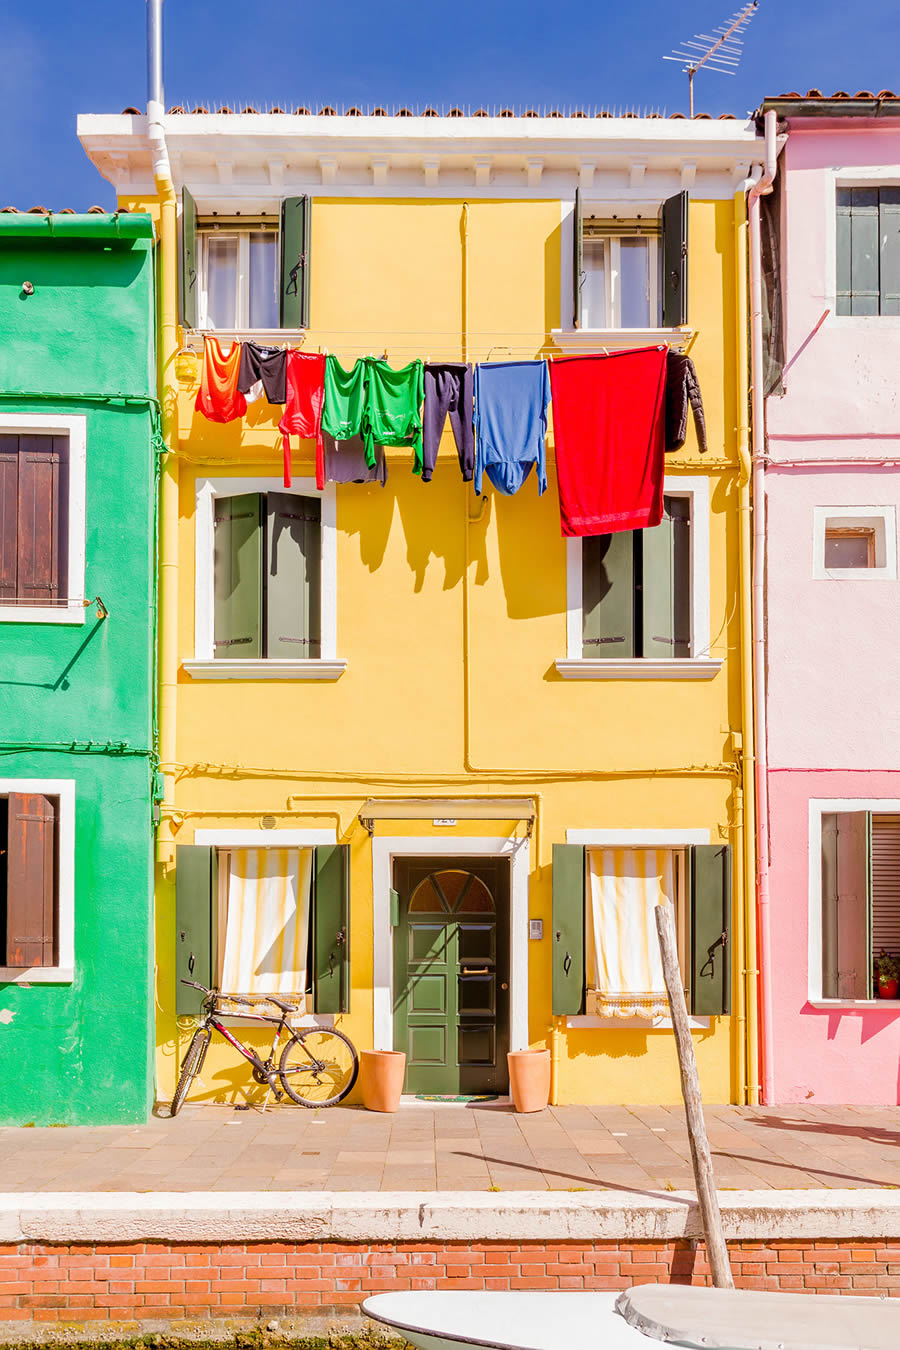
<point>710,1217</point>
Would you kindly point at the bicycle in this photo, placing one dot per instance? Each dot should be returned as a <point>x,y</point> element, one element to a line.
<point>318,1065</point>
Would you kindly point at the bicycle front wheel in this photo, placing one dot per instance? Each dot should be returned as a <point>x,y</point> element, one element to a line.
<point>190,1067</point>
<point>318,1067</point>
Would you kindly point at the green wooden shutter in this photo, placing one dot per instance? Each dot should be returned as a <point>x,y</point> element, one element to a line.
<point>665,583</point>
<point>607,595</point>
<point>31,880</point>
<point>331,929</point>
<point>568,929</point>
<point>238,577</point>
<point>293,576</point>
<point>675,260</point>
<point>858,286</point>
<point>190,261</point>
<point>577,259</point>
<point>709,868</point>
<point>9,516</point>
<point>296,219</point>
<point>196,923</point>
<point>889,229</point>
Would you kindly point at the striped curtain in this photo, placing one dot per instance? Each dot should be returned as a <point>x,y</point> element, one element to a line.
<point>267,920</point>
<point>624,966</point>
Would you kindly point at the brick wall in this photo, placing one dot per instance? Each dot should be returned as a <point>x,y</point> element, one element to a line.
<point>157,1280</point>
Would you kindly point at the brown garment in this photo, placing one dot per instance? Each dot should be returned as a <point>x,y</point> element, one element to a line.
<point>682,388</point>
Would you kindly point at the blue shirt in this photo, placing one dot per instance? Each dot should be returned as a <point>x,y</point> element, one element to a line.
<point>511,399</point>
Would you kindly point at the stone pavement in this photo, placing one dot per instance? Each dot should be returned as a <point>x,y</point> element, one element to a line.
<point>452,1147</point>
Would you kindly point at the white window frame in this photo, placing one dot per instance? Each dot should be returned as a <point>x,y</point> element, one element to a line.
<point>242,234</point>
<point>64,970</point>
<point>636,838</point>
<point>881,519</point>
<point>875,176</point>
<point>228,839</point>
<point>819,807</point>
<point>700,665</point>
<point>75,428</point>
<point>327,666</point>
<point>612,251</point>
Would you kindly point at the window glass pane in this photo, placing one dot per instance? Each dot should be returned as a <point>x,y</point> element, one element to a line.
<point>221,280</point>
<point>634,285</point>
<point>846,548</point>
<point>593,290</point>
<point>864,251</point>
<point>263,287</point>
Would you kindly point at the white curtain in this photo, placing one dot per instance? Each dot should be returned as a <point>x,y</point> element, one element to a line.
<point>267,921</point>
<point>623,962</point>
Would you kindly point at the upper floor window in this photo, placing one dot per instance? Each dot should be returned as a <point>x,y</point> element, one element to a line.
<point>245,273</point>
<point>239,270</point>
<point>855,543</point>
<point>620,288</point>
<point>266,581</point>
<point>630,272</point>
<point>636,589</point>
<point>868,250</point>
<point>42,487</point>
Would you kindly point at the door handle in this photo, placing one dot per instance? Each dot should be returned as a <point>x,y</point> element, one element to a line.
<point>483,970</point>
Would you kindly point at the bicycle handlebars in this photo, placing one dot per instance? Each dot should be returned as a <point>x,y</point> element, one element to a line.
<point>216,993</point>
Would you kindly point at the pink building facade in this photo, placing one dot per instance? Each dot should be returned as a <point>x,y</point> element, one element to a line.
<point>832,491</point>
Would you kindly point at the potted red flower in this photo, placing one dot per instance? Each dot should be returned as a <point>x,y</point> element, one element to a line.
<point>887,975</point>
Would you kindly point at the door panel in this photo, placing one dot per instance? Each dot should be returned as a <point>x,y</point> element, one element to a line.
<point>451,973</point>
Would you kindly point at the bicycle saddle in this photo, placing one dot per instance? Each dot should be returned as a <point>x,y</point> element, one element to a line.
<point>280,1003</point>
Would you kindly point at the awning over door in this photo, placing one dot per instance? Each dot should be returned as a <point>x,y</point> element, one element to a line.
<point>447,810</point>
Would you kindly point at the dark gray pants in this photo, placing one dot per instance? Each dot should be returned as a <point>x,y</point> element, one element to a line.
<point>448,389</point>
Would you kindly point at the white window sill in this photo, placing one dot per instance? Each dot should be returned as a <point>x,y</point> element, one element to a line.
<point>855,574</point>
<point>858,1004</point>
<point>640,668</point>
<point>265,337</point>
<point>587,1022</point>
<point>323,668</point>
<point>619,339</point>
<point>36,975</point>
<point>72,613</point>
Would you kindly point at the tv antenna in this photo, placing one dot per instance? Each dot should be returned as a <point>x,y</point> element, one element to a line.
<point>719,50</point>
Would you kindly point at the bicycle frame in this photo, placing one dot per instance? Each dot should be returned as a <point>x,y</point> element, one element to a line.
<point>280,1024</point>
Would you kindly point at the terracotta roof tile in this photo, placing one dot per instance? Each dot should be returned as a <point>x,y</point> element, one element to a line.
<point>63,211</point>
<point>380,110</point>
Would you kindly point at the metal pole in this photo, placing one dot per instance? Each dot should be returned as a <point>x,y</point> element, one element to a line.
<point>154,52</point>
<point>711,1219</point>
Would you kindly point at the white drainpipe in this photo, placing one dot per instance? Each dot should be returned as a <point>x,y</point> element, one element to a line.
<point>758,449</point>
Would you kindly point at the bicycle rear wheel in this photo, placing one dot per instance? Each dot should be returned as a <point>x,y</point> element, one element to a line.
<point>190,1067</point>
<point>318,1067</point>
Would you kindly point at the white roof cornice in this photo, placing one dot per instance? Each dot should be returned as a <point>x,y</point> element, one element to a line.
<point>276,153</point>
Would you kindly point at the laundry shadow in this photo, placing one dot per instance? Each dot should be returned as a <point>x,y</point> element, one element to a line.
<point>873,1134</point>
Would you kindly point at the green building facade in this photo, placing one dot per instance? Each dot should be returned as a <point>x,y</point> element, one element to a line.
<point>78,443</point>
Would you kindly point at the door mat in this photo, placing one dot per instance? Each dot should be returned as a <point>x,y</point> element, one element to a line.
<point>462,1097</point>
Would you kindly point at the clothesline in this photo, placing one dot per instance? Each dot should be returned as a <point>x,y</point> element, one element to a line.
<point>614,417</point>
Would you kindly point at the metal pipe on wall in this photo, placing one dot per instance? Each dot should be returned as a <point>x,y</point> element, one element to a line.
<point>757,417</point>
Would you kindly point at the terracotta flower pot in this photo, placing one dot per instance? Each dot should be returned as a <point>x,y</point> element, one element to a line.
<point>887,988</point>
<point>381,1074</point>
<point>529,1078</point>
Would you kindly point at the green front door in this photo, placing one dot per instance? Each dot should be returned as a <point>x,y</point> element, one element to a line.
<point>451,973</point>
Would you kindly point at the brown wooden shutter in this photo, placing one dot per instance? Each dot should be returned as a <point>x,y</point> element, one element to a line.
<point>885,885</point>
<point>9,516</point>
<point>41,562</point>
<point>31,889</point>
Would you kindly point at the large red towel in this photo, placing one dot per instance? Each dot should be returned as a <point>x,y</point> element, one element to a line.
<point>608,427</point>
<point>305,378</point>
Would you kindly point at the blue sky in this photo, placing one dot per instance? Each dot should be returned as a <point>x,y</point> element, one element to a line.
<point>69,56</point>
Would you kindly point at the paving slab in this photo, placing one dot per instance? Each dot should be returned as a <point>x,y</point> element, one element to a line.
<point>459,1146</point>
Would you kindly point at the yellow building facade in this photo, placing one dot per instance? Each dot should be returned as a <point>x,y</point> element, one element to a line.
<point>450,724</point>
